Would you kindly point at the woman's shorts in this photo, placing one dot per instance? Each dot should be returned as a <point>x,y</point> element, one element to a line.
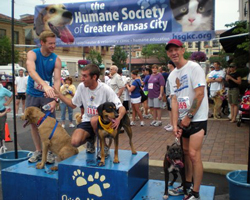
<point>135,100</point>
<point>233,96</point>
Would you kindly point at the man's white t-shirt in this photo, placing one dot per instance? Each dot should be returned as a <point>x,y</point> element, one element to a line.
<point>182,83</point>
<point>116,83</point>
<point>216,86</point>
<point>21,83</point>
<point>91,99</point>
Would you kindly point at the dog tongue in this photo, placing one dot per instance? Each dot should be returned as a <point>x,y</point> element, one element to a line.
<point>66,36</point>
<point>179,163</point>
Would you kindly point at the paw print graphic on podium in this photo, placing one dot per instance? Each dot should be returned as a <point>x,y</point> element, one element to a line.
<point>95,184</point>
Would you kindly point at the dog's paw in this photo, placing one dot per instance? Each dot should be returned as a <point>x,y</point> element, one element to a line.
<point>116,161</point>
<point>40,165</point>
<point>98,182</point>
<point>165,197</point>
<point>101,164</point>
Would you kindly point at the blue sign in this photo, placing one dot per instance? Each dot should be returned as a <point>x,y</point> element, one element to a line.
<point>116,22</point>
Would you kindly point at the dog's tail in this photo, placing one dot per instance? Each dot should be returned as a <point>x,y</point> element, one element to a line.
<point>78,118</point>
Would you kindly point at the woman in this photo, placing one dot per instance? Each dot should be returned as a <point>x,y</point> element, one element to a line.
<point>156,85</point>
<point>4,94</point>
<point>68,90</point>
<point>135,96</point>
<point>148,73</point>
<point>234,80</point>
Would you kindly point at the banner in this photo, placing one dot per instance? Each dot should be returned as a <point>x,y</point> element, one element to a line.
<point>127,22</point>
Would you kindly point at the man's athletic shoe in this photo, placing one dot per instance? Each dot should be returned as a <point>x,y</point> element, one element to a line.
<point>90,147</point>
<point>50,157</point>
<point>37,155</point>
<point>176,191</point>
<point>191,197</point>
<point>106,152</point>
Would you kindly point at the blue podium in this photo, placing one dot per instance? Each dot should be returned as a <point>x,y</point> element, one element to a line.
<point>80,178</point>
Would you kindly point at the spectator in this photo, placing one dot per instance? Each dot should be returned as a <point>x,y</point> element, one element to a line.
<point>165,75</point>
<point>148,73</point>
<point>4,94</point>
<point>207,77</point>
<point>116,82</point>
<point>156,85</point>
<point>106,77</point>
<point>216,84</point>
<point>189,107</point>
<point>169,127</point>
<point>90,94</point>
<point>20,90</point>
<point>125,91</point>
<point>39,88</point>
<point>135,97</point>
<point>234,80</point>
<point>68,90</point>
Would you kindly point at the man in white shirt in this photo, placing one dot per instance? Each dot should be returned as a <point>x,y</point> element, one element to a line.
<point>215,78</point>
<point>116,82</point>
<point>20,90</point>
<point>189,104</point>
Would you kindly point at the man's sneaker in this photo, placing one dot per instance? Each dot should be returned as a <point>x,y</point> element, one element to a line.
<point>153,122</point>
<point>106,152</point>
<point>170,128</point>
<point>191,197</point>
<point>71,125</point>
<point>149,116</point>
<point>142,123</point>
<point>50,157</point>
<point>90,147</point>
<point>176,191</point>
<point>37,155</point>
<point>132,123</point>
<point>158,123</point>
<point>165,127</point>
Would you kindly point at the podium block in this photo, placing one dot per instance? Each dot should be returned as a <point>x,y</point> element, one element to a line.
<point>81,178</point>
<point>23,181</point>
<point>154,189</point>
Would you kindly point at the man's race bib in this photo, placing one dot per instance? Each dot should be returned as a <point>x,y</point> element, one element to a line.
<point>150,86</point>
<point>91,111</point>
<point>39,86</point>
<point>183,105</point>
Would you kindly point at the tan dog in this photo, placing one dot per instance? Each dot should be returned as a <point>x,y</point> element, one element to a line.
<point>107,112</point>
<point>78,118</point>
<point>55,18</point>
<point>218,99</point>
<point>60,141</point>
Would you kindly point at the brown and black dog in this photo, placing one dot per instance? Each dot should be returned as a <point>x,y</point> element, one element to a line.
<point>55,18</point>
<point>107,112</point>
<point>59,142</point>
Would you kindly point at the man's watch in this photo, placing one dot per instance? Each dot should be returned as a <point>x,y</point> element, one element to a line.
<point>190,115</point>
<point>57,100</point>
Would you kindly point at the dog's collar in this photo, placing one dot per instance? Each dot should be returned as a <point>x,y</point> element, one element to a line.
<point>40,121</point>
<point>106,127</point>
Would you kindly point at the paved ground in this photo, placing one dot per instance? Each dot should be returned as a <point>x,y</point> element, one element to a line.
<point>225,148</point>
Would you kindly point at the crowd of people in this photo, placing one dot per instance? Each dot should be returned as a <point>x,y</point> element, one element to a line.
<point>182,90</point>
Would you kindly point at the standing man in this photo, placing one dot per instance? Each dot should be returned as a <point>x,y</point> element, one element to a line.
<point>189,112</point>
<point>91,93</point>
<point>215,79</point>
<point>20,90</point>
<point>41,64</point>
<point>116,82</point>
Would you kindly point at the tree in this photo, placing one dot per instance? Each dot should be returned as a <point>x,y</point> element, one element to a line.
<point>199,56</point>
<point>95,57</point>
<point>119,57</point>
<point>5,52</point>
<point>158,51</point>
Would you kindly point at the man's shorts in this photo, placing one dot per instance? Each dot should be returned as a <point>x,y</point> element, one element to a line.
<point>168,103</point>
<point>86,126</point>
<point>21,95</point>
<point>154,103</point>
<point>195,128</point>
<point>38,102</point>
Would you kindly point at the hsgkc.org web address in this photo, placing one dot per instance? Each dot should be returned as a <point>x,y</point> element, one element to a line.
<point>192,36</point>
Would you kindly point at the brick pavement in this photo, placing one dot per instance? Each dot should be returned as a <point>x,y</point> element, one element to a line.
<point>224,142</point>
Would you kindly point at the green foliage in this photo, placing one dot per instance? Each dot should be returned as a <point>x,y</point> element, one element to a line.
<point>222,58</point>
<point>119,57</point>
<point>95,57</point>
<point>5,52</point>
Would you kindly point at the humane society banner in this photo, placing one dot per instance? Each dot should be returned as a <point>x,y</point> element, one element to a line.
<point>127,22</point>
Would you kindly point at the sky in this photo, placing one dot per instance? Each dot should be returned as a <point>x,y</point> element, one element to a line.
<point>226,11</point>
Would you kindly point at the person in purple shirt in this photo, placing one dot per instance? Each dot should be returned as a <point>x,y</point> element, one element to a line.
<point>156,85</point>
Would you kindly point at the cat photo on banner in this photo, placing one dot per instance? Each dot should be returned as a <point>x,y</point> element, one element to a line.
<point>192,15</point>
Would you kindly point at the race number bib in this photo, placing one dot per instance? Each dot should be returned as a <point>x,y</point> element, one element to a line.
<point>91,111</point>
<point>150,86</point>
<point>184,106</point>
<point>39,86</point>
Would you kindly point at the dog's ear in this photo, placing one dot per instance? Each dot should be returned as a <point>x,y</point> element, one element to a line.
<point>168,147</point>
<point>39,25</point>
<point>100,109</point>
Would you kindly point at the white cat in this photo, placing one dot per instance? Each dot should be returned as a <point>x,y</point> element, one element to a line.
<point>193,15</point>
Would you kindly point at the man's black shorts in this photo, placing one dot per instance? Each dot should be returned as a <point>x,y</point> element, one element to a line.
<point>195,128</point>
<point>21,96</point>
<point>86,126</point>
